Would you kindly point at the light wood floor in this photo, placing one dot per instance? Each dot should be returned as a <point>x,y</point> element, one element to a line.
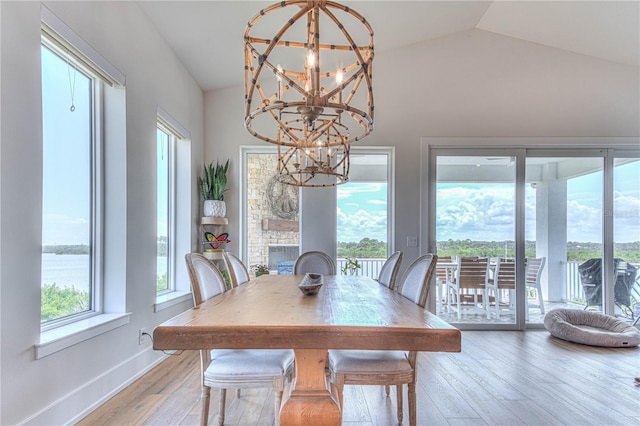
<point>499,378</point>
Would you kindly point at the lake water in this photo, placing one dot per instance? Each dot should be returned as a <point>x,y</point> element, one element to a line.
<point>72,270</point>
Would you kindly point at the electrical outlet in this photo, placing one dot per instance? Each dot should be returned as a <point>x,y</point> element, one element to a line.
<point>141,334</point>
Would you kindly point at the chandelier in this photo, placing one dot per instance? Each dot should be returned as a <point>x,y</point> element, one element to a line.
<point>309,95</point>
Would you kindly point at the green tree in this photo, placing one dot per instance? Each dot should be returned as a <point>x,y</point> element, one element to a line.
<point>62,302</point>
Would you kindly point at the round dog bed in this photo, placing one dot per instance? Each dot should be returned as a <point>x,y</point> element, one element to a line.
<point>591,328</point>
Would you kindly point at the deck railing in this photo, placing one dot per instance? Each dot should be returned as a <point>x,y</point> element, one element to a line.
<point>574,293</point>
<point>370,267</point>
<point>574,284</point>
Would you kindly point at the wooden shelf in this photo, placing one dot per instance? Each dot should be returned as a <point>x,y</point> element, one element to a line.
<point>208,220</point>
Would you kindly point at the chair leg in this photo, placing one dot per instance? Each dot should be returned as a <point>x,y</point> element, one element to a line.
<point>204,399</point>
<point>278,403</point>
<point>412,403</point>
<point>539,291</point>
<point>223,402</point>
<point>387,389</point>
<point>399,404</point>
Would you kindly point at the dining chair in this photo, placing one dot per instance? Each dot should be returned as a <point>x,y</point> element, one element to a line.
<point>314,262</point>
<point>234,368</point>
<point>238,272</point>
<point>503,279</point>
<point>372,367</point>
<point>389,270</point>
<point>466,288</point>
<point>535,265</point>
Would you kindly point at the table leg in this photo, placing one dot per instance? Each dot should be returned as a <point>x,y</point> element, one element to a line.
<point>310,402</point>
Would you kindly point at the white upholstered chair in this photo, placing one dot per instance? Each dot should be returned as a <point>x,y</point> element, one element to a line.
<point>389,270</point>
<point>238,272</point>
<point>234,368</point>
<point>369,367</point>
<point>314,262</point>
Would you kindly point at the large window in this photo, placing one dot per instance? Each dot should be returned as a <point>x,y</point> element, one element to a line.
<point>565,220</point>
<point>70,93</point>
<point>363,214</point>
<point>271,219</point>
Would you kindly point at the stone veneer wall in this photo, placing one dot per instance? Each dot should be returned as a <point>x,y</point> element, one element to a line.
<point>260,169</point>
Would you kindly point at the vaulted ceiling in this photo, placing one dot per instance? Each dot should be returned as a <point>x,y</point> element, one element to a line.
<point>207,36</point>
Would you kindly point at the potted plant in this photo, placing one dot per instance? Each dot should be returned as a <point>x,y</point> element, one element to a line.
<point>212,187</point>
<point>351,266</point>
<point>260,270</point>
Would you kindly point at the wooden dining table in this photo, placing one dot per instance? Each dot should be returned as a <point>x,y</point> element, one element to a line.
<point>349,312</point>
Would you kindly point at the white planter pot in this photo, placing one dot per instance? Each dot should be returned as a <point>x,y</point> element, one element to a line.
<point>215,208</point>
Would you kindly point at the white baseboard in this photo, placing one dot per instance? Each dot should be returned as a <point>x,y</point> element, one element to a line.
<point>74,406</point>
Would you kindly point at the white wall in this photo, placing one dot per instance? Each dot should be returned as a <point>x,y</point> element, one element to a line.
<point>61,386</point>
<point>471,84</point>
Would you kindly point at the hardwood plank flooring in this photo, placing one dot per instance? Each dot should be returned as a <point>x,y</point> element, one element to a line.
<point>499,378</point>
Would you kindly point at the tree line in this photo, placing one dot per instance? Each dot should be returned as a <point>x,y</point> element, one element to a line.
<point>576,251</point>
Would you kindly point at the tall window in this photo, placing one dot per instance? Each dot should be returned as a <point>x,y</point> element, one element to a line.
<point>363,214</point>
<point>164,214</point>
<point>69,95</point>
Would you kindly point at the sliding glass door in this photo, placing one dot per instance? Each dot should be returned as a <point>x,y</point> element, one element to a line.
<point>558,228</point>
<point>475,215</point>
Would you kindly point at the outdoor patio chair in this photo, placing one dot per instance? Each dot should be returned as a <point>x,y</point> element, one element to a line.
<point>533,274</point>
<point>443,271</point>
<point>389,270</point>
<point>238,272</point>
<point>371,367</point>
<point>314,262</point>
<point>466,288</point>
<point>234,368</point>
<point>502,282</point>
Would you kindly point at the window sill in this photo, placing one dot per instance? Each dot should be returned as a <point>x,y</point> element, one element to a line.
<point>171,299</point>
<point>60,338</point>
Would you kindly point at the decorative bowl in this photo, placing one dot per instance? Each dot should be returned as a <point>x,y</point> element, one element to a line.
<point>310,289</point>
<point>310,284</point>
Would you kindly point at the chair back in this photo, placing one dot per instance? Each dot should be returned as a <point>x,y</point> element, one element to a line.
<point>505,273</point>
<point>238,273</point>
<point>416,280</point>
<point>535,265</point>
<point>472,272</point>
<point>206,279</point>
<point>441,273</point>
<point>314,262</point>
<point>389,270</point>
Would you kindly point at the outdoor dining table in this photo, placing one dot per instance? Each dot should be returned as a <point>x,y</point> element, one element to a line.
<point>349,312</point>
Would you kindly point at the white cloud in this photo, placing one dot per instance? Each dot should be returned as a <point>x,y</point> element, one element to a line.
<point>362,224</point>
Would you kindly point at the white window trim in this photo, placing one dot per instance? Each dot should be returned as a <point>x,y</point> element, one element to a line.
<point>68,335</point>
<point>180,291</point>
<point>82,327</point>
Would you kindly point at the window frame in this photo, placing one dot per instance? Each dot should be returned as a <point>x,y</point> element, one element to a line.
<point>172,138</point>
<point>96,194</point>
<point>111,258</point>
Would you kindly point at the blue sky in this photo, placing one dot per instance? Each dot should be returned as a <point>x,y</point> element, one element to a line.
<point>362,211</point>
<point>66,153</point>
